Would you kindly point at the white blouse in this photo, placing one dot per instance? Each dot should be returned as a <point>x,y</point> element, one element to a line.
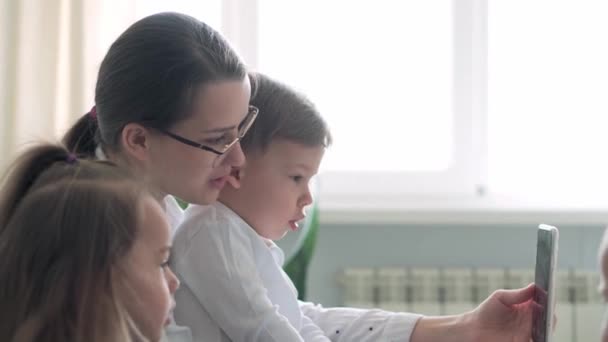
<point>233,288</point>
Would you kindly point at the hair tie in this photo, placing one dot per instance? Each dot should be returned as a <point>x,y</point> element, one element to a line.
<point>93,113</point>
<point>71,158</point>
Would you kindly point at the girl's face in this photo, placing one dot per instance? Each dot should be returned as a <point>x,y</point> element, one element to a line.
<point>193,174</point>
<point>148,284</point>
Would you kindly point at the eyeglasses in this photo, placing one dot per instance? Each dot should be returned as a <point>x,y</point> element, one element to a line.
<point>242,130</point>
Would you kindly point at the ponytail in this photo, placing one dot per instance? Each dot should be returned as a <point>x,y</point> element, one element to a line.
<point>83,138</point>
<point>25,172</point>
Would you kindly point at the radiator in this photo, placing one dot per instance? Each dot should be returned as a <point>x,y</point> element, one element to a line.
<point>444,291</point>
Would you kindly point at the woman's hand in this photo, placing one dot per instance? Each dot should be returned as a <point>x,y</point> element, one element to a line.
<point>506,315</point>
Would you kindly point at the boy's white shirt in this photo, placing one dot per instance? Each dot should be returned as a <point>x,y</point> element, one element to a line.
<point>233,288</point>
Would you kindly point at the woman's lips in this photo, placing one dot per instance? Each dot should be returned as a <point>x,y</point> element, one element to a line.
<point>219,182</point>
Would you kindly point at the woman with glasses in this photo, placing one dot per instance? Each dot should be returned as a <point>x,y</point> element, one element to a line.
<point>171,104</point>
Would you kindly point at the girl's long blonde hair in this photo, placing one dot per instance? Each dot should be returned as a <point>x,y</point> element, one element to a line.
<point>65,224</point>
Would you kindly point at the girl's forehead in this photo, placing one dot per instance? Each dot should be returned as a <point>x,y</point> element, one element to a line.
<point>154,227</point>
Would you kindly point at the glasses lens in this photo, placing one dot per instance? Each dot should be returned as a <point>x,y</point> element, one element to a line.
<point>242,129</point>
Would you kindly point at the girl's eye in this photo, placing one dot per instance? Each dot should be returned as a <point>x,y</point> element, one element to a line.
<point>296,179</point>
<point>165,264</point>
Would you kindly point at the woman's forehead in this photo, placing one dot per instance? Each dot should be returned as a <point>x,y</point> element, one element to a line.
<point>216,103</point>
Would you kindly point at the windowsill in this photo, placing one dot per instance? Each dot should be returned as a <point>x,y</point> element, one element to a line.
<point>459,210</point>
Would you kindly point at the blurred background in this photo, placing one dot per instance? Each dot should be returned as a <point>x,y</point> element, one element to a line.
<point>459,126</point>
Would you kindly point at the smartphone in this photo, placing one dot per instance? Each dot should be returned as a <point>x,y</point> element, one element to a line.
<point>544,278</point>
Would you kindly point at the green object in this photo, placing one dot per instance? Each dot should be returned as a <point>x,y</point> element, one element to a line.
<point>181,203</point>
<point>297,266</point>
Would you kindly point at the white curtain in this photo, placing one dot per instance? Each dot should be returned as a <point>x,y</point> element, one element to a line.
<point>50,51</point>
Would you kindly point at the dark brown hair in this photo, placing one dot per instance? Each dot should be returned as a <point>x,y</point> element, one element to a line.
<point>284,114</point>
<point>64,225</point>
<point>149,76</point>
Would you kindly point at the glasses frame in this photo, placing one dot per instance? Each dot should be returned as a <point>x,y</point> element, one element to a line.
<point>249,119</point>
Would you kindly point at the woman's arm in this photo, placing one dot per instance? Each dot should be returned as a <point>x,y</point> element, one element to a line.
<point>505,316</point>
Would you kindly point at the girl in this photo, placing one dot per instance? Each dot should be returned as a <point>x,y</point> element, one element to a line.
<point>83,253</point>
<point>235,288</point>
<point>171,104</point>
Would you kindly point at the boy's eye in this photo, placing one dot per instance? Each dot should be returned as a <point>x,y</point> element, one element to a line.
<point>297,179</point>
<point>165,264</point>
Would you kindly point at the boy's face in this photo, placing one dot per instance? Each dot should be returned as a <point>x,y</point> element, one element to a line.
<point>275,187</point>
<point>603,288</point>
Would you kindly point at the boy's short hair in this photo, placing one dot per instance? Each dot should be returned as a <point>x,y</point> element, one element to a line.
<point>284,114</point>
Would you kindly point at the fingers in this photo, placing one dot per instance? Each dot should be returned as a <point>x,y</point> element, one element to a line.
<point>554,326</point>
<point>518,296</point>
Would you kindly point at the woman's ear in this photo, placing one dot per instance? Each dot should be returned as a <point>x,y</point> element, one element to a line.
<point>136,140</point>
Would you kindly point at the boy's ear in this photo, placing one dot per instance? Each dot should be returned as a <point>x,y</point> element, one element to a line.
<point>135,140</point>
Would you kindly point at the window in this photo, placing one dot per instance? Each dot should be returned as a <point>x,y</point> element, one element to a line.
<point>548,100</point>
<point>385,88</point>
<point>382,74</point>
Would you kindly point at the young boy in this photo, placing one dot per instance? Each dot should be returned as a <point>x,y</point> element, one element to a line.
<point>233,286</point>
